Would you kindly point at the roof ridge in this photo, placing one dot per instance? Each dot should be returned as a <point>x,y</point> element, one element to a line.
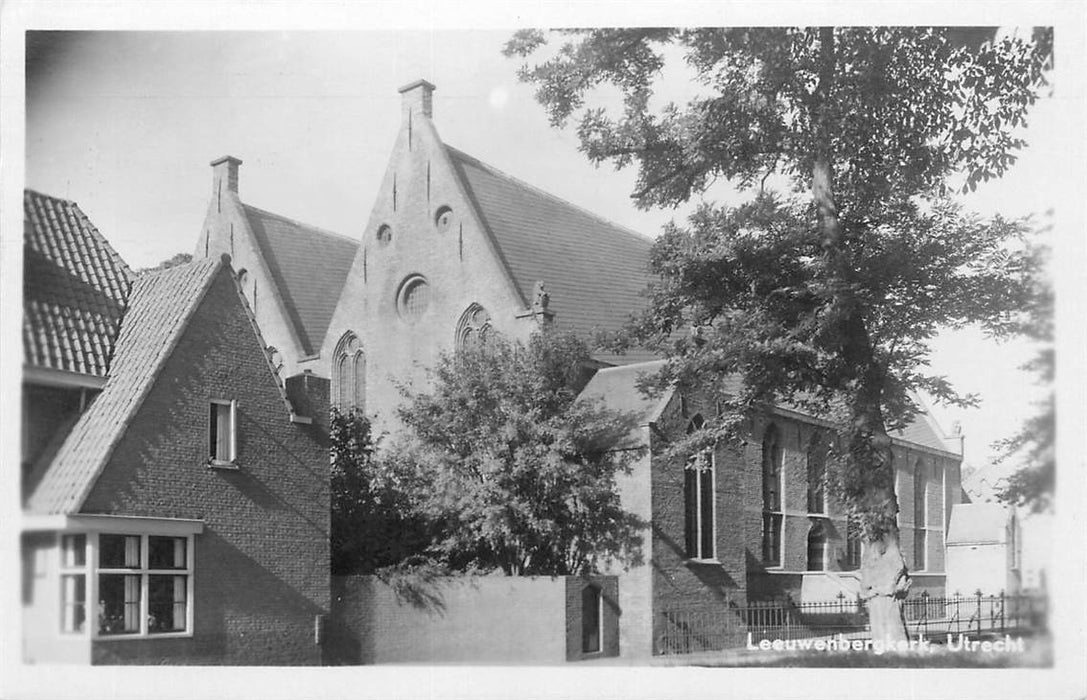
<point>39,193</point>
<point>521,183</point>
<point>296,222</point>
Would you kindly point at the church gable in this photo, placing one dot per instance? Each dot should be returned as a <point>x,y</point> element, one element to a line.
<point>292,273</point>
<point>425,259</point>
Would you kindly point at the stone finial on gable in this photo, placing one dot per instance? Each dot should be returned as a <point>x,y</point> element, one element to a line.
<point>417,98</point>
<point>541,300</point>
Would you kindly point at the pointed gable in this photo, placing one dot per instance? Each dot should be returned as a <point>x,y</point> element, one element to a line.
<point>75,288</point>
<point>594,270</point>
<point>160,306</point>
<point>309,267</point>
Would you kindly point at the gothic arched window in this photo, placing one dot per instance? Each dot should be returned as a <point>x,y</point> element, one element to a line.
<point>474,329</point>
<point>699,497</point>
<point>349,374</point>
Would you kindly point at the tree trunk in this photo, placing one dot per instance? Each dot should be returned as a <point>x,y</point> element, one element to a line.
<point>870,487</point>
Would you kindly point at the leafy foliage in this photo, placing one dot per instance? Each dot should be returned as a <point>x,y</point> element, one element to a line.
<point>825,294</point>
<point>372,525</point>
<point>512,471</point>
<point>1033,447</point>
<point>178,259</point>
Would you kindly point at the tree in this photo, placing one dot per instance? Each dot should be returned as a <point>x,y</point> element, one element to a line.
<point>1033,446</point>
<point>824,295</point>
<point>511,470</point>
<point>372,524</point>
<point>178,259</point>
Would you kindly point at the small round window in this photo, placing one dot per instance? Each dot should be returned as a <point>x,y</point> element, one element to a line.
<point>384,234</point>
<point>414,298</point>
<point>444,218</point>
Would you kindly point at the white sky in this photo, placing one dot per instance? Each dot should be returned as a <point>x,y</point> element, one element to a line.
<point>125,124</point>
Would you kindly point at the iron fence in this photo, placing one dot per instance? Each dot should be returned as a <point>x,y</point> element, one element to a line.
<point>732,626</point>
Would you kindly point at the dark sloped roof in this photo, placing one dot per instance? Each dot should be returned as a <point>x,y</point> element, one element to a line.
<point>309,266</point>
<point>595,271</point>
<point>160,306</point>
<point>74,288</point>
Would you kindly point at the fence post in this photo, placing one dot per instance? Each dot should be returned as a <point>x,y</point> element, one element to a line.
<point>1001,610</point>
<point>977,593</point>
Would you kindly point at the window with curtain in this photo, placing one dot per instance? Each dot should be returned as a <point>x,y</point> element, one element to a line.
<point>143,584</point>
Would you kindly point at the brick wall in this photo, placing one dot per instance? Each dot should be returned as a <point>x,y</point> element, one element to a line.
<point>261,573</point>
<point>680,583</point>
<point>608,587</point>
<point>486,619</point>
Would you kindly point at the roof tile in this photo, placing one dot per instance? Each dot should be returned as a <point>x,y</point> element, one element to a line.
<point>74,288</point>
<point>159,308</point>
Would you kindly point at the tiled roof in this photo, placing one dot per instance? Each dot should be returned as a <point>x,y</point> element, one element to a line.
<point>159,308</point>
<point>594,270</point>
<point>309,266</point>
<point>74,288</point>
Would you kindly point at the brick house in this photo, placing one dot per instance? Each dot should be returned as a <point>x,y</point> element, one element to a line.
<point>455,249</point>
<point>182,514</point>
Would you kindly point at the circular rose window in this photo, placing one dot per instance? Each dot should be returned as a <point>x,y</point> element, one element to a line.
<point>414,298</point>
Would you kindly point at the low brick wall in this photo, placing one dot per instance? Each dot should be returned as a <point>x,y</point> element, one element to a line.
<point>483,619</point>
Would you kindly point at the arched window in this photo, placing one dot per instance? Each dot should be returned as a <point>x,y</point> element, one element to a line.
<point>817,475</point>
<point>349,374</point>
<point>699,499</point>
<point>920,512</point>
<point>817,546</point>
<point>474,328</point>
<point>772,502</point>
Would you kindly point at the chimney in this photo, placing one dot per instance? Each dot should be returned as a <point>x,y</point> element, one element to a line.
<point>416,98</point>
<point>224,175</point>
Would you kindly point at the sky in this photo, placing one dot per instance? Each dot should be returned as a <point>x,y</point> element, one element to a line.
<point>126,124</point>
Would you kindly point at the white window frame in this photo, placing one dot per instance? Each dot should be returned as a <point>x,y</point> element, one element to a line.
<point>920,529</point>
<point>92,571</point>
<point>709,457</point>
<point>232,452</point>
<point>70,570</point>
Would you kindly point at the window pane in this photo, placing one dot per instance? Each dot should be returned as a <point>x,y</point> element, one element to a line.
<point>166,603</point>
<point>919,546</point>
<point>166,552</point>
<point>118,603</point>
<point>73,591</point>
<point>222,451</point>
<point>690,489</point>
<point>706,509</point>
<point>74,551</point>
<point>590,619</point>
<point>119,551</point>
<point>816,548</point>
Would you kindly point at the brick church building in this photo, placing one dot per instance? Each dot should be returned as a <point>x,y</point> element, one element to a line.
<point>455,249</point>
